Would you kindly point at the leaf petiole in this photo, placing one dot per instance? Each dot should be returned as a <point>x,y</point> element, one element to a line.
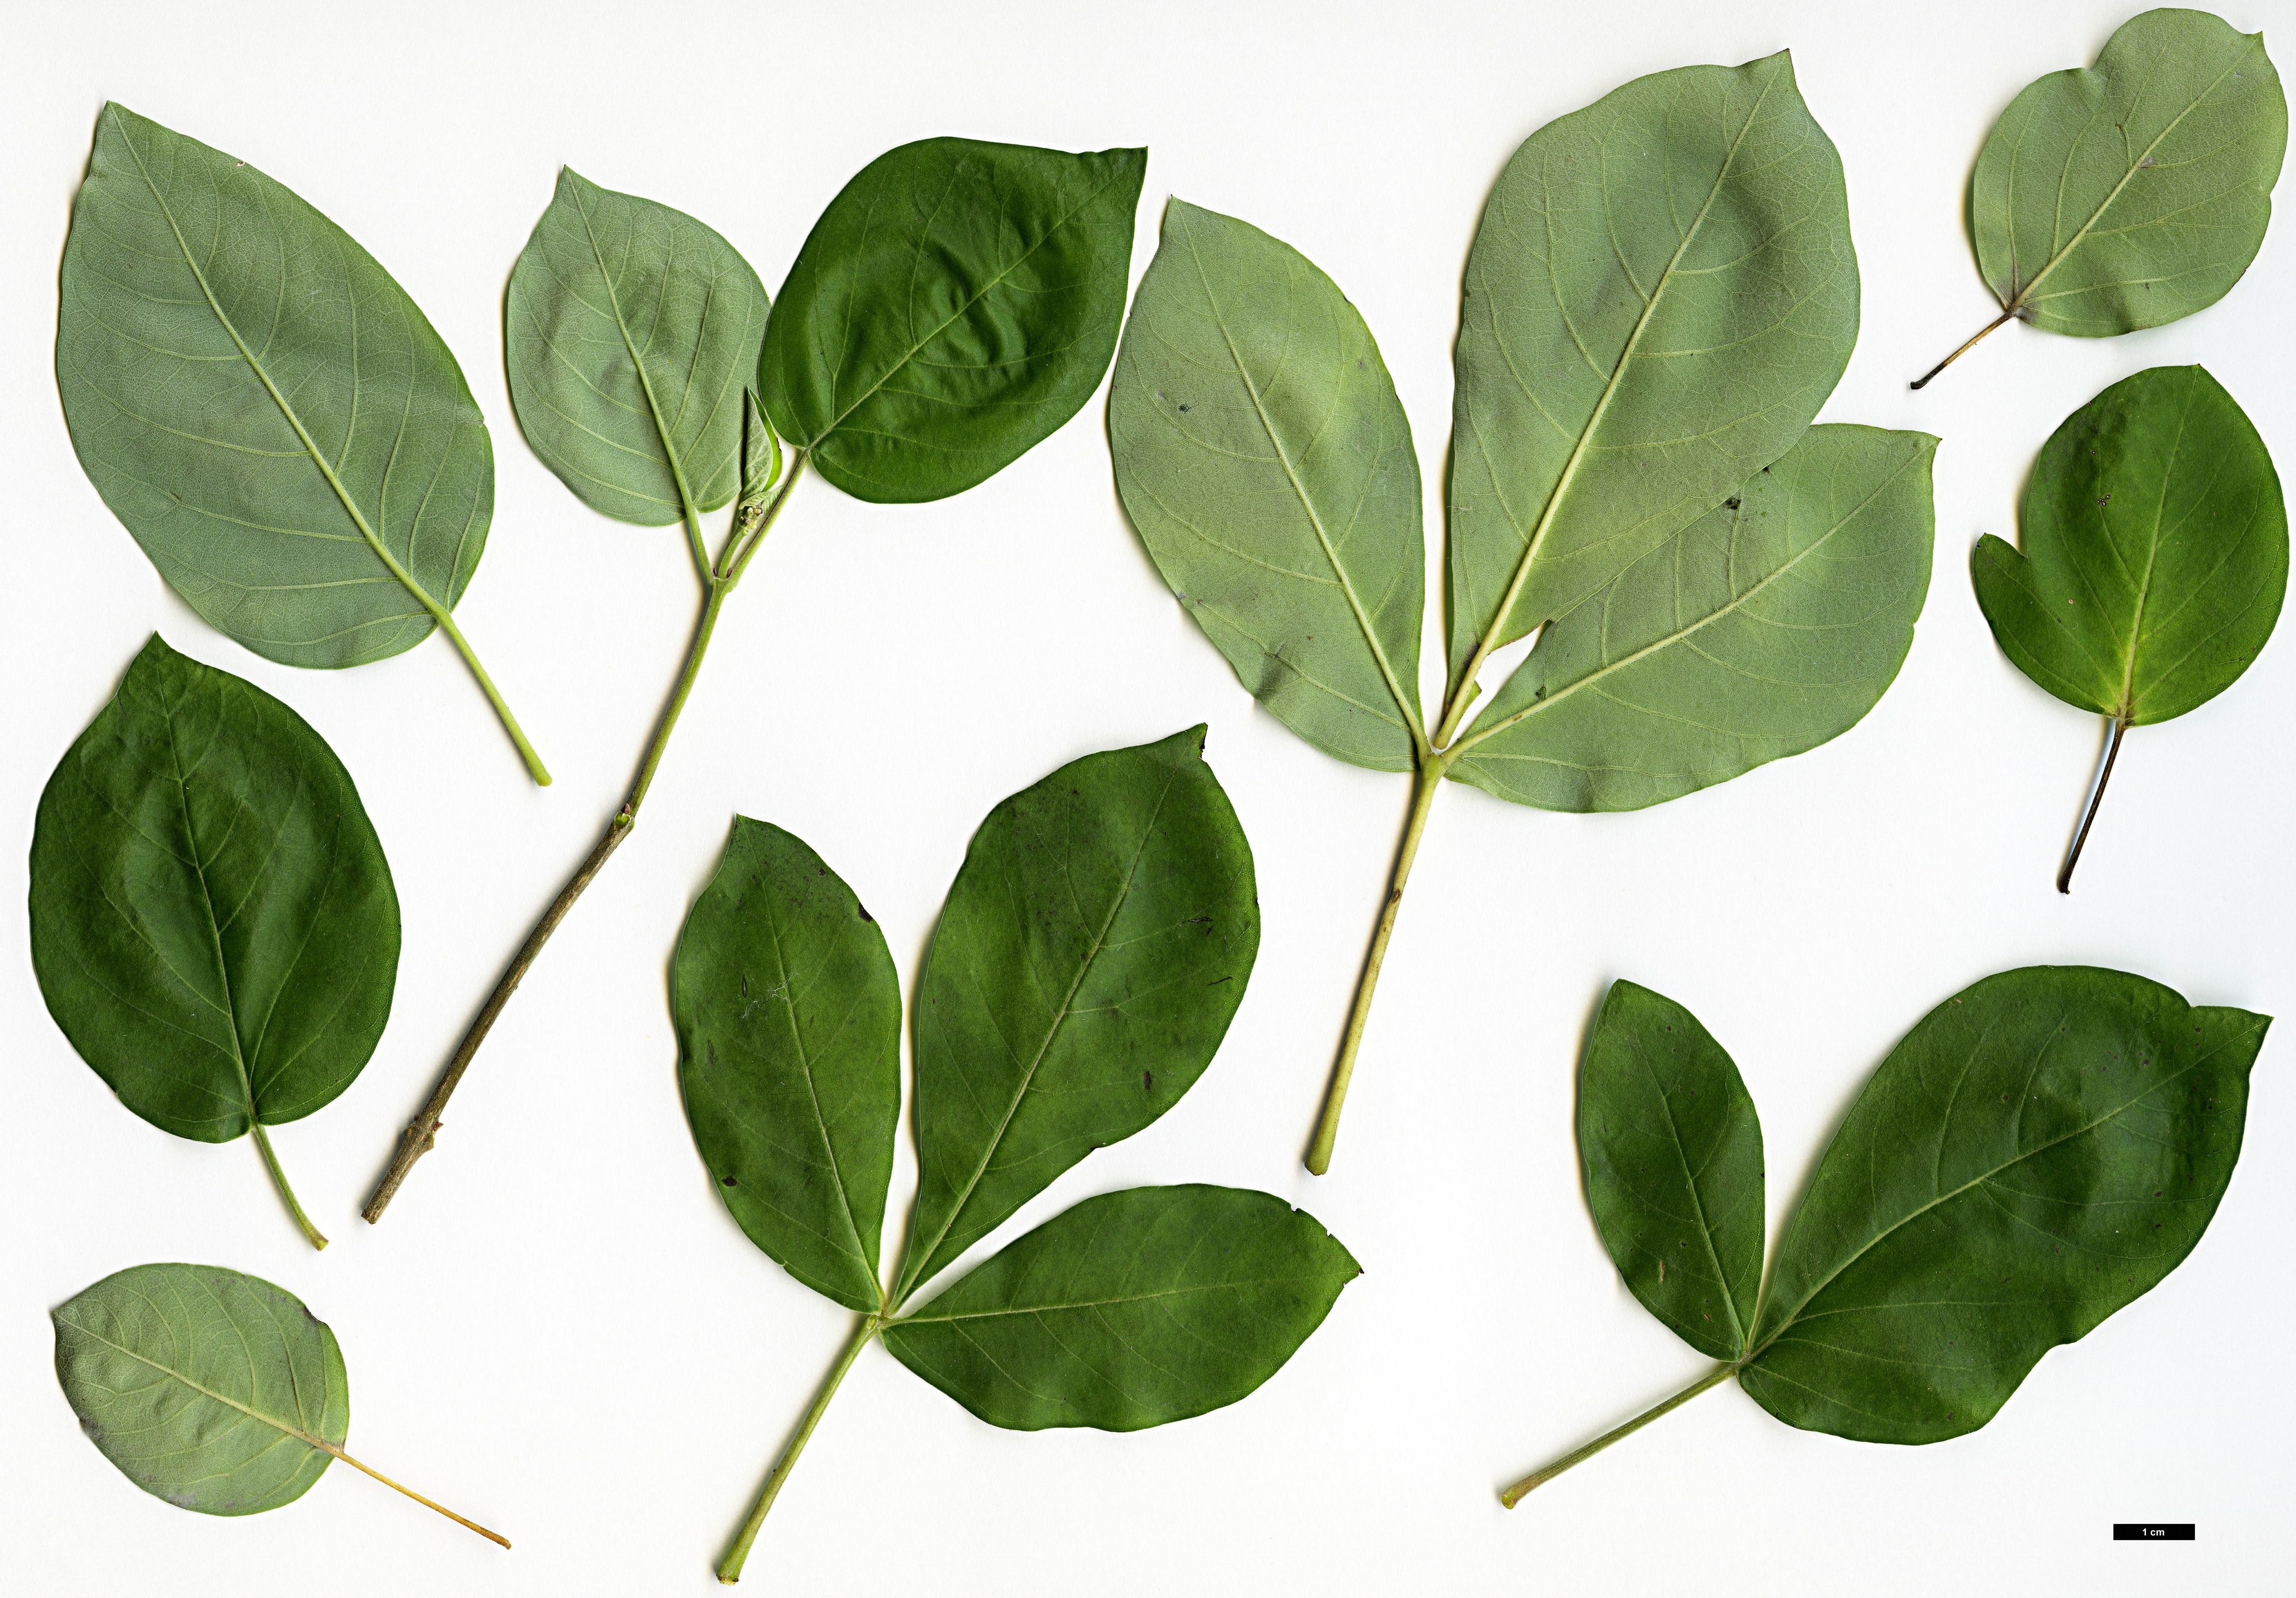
<point>1546,1473</point>
<point>729,1569</point>
<point>2096,798</point>
<point>279,1180</point>
<point>1922,382</point>
<point>492,1537</point>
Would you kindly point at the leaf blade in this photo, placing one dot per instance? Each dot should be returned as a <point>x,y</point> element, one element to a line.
<point>213,1390</point>
<point>1936,1194</point>
<point>2137,192</point>
<point>2153,557</point>
<point>956,302</point>
<point>632,328</point>
<point>1305,564</point>
<point>1111,1316</point>
<point>318,530</point>
<point>1671,1152</point>
<point>1766,627</point>
<point>1090,955</point>
<point>214,924</point>
<point>1595,416</point>
<point>797,1135</point>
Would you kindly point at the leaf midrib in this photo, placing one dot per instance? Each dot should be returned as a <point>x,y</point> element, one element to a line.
<point>274,1421</point>
<point>310,445</point>
<point>927,1317</point>
<point>669,452</point>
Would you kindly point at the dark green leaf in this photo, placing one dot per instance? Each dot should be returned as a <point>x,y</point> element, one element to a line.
<point>215,1392</point>
<point>1092,952</point>
<point>1661,294</point>
<point>1672,1153</point>
<point>2154,551</point>
<point>788,1033</point>
<point>2041,1149</point>
<point>1265,459</point>
<point>1768,626</point>
<point>213,924</point>
<point>2130,193</point>
<point>956,302</point>
<point>268,412</point>
<point>1130,1310</point>
<point>632,332</point>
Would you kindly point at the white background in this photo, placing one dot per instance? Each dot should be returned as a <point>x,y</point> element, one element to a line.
<point>558,1329</point>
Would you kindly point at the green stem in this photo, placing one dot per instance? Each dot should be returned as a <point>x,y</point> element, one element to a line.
<point>2088,811</point>
<point>279,1180</point>
<point>729,1569</point>
<point>1540,1478</point>
<point>534,766</point>
<point>1922,382</point>
<point>420,1133</point>
<point>1429,780</point>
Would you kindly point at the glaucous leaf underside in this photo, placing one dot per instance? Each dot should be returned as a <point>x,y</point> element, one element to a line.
<point>788,1012</point>
<point>1129,1310</point>
<point>206,1387</point>
<point>2041,1149</point>
<point>2134,191</point>
<point>631,330</point>
<point>954,304</point>
<point>263,406</point>
<point>2152,550</point>
<point>1770,625</point>
<point>1263,456</point>
<point>1090,955</point>
<point>1660,297</point>
<point>213,924</point>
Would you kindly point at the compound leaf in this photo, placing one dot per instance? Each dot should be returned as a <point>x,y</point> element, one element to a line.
<point>632,330</point>
<point>1263,456</point>
<point>1129,1310</point>
<point>788,1012</point>
<point>956,302</point>
<point>1672,1153</point>
<point>213,924</point>
<point>1764,629</point>
<point>264,408</point>
<point>1661,295</point>
<point>2153,552</point>
<point>2039,1151</point>
<point>1090,955</point>
<point>2134,191</point>
<point>213,1390</point>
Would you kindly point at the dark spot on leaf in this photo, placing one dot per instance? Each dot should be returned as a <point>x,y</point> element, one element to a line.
<point>725,1181</point>
<point>1147,1081</point>
<point>864,909</point>
<point>1184,410</point>
<point>1732,503</point>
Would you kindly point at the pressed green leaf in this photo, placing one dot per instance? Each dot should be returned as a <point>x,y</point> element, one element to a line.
<point>632,332</point>
<point>1661,295</point>
<point>1130,1310</point>
<point>267,411</point>
<point>2154,551</point>
<point>212,1390</point>
<point>788,1011</point>
<point>956,302</point>
<point>1764,629</point>
<point>1672,1153</point>
<point>1262,454</point>
<point>2134,191</point>
<point>213,922</point>
<point>1092,952</point>
<point>2041,1149</point>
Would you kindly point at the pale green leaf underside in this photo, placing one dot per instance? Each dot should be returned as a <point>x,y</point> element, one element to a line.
<point>1092,951</point>
<point>206,1387</point>
<point>2154,551</point>
<point>213,924</point>
<point>632,330</point>
<point>2130,193</point>
<point>268,411</point>
<point>788,1012</point>
<point>1129,1310</point>
<point>1262,454</point>
<point>2039,1151</point>
<point>1770,625</point>
<point>1672,1153</point>
<point>1661,295</point>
